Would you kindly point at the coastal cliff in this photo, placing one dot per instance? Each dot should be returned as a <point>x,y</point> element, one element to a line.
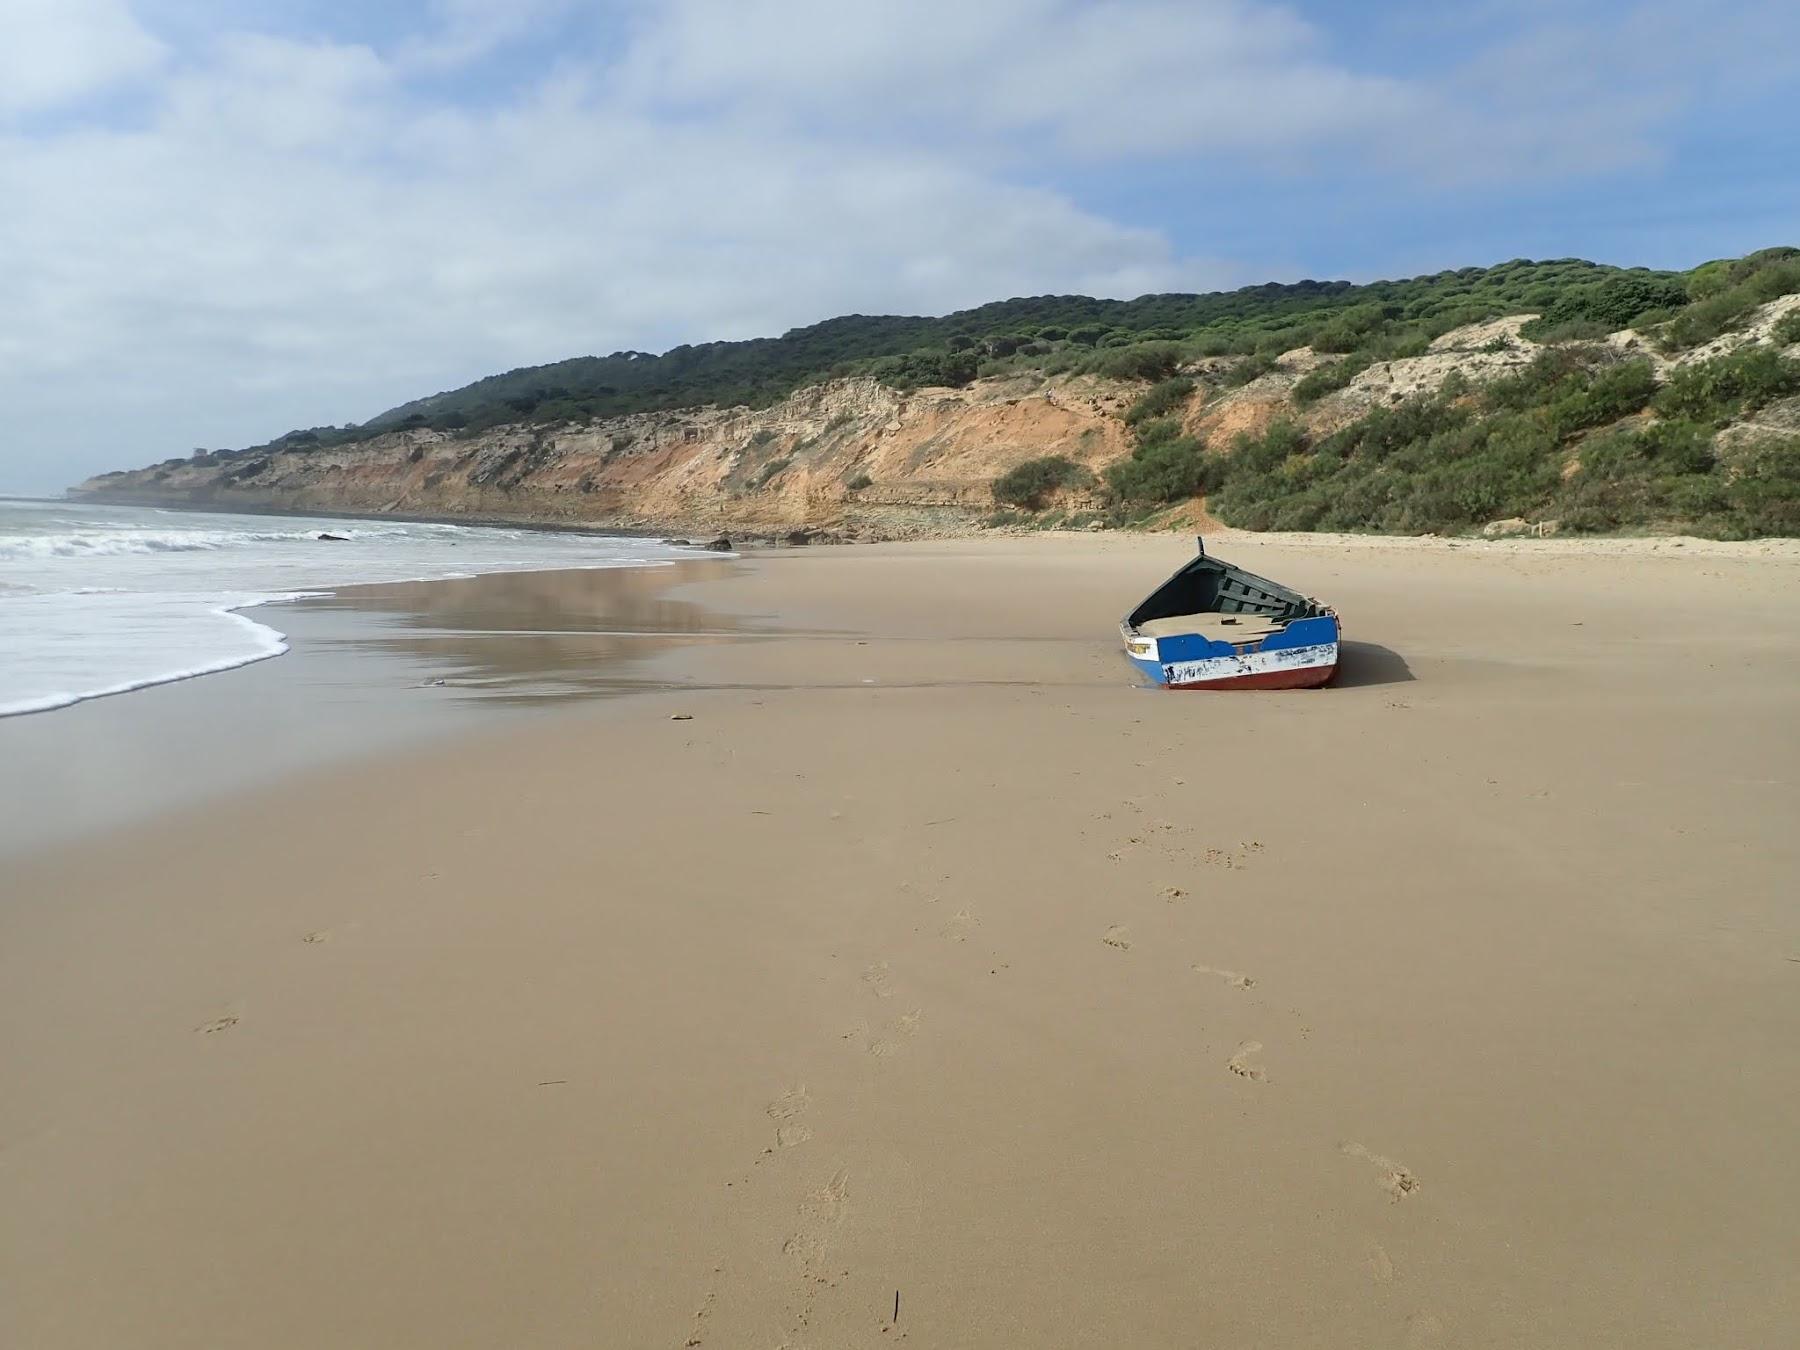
<point>1312,407</point>
<point>852,455</point>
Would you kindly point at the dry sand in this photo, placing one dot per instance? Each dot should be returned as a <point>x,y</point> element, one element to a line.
<point>1456,1005</point>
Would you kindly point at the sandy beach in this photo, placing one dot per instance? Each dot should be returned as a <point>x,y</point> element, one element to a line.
<point>932,982</point>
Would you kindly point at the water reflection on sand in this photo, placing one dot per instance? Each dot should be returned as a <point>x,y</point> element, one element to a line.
<point>535,636</point>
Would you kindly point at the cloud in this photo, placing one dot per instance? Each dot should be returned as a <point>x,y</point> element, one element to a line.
<point>465,31</point>
<point>1120,77</point>
<point>290,233</point>
<point>55,52</point>
<point>285,226</point>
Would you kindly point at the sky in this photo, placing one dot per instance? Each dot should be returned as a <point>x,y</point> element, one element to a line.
<point>220,220</point>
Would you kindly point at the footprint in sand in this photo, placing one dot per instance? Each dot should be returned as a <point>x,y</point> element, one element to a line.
<point>1117,936</point>
<point>961,924</point>
<point>1381,1265</point>
<point>786,1111</point>
<point>1240,1063</point>
<point>888,1042</point>
<point>1231,977</point>
<point>821,1215</point>
<point>876,977</point>
<point>222,1023</point>
<point>698,1335</point>
<point>317,935</point>
<point>1173,893</point>
<point>1396,1179</point>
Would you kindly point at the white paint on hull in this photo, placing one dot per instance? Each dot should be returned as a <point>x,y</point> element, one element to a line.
<point>1252,663</point>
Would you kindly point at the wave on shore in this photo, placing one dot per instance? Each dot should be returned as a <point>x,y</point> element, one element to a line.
<point>101,600</point>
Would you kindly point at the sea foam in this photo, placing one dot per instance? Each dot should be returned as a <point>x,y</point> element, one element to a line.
<point>98,600</point>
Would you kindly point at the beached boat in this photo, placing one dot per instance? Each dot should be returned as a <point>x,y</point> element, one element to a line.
<point>1215,626</point>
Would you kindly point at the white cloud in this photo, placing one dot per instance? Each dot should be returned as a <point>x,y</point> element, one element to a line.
<point>466,30</point>
<point>1130,77</point>
<point>290,236</point>
<point>53,52</point>
<point>290,230</point>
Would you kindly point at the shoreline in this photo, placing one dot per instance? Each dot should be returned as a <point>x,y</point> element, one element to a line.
<point>767,537</point>
<point>933,954</point>
<point>405,518</point>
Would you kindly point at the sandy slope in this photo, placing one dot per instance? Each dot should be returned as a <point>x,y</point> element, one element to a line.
<point>1453,1006</point>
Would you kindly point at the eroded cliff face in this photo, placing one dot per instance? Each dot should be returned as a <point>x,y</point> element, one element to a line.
<point>852,455</point>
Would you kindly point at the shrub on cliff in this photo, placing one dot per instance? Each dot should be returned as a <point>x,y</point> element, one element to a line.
<point>1165,471</point>
<point>1609,305</point>
<point>1315,384</point>
<point>1248,369</point>
<point>1139,361</point>
<point>1738,382</point>
<point>1162,398</point>
<point>917,370</point>
<point>1030,484</point>
<point>1726,296</point>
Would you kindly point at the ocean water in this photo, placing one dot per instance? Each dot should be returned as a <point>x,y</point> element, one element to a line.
<point>101,600</point>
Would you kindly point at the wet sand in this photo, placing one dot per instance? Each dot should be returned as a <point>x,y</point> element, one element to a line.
<point>1454,1005</point>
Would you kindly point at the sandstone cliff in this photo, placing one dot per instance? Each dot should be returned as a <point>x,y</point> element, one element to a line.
<point>852,455</point>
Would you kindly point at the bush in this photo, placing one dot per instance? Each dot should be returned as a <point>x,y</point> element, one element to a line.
<point>1551,373</point>
<point>1609,305</point>
<point>1032,482</point>
<point>1787,329</point>
<point>1753,281</point>
<point>1167,471</point>
<point>1315,384</point>
<point>1260,454</point>
<point>1161,429</point>
<point>1250,368</point>
<point>858,481</point>
<point>1615,392</point>
<point>1739,381</point>
<point>1678,447</point>
<point>1139,361</point>
<point>1161,399</point>
<point>1762,487</point>
<point>918,370</point>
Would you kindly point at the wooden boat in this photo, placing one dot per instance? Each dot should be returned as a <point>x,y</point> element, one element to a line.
<point>1215,626</point>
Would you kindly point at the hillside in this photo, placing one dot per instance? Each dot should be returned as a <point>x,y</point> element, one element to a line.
<point>1559,395</point>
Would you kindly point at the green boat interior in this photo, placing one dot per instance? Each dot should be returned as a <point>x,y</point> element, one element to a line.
<point>1221,601</point>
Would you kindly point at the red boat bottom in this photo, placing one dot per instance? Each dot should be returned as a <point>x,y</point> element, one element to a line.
<point>1309,677</point>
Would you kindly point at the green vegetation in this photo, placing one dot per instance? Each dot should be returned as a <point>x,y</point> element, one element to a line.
<point>1315,384</point>
<point>1165,466</point>
<point>1727,386</point>
<point>1250,368</point>
<point>1031,483</point>
<point>1161,400</point>
<point>1722,294</point>
<point>1596,308</point>
<point>1526,446</point>
<point>1144,339</point>
<point>1567,437</point>
<point>1786,331</point>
